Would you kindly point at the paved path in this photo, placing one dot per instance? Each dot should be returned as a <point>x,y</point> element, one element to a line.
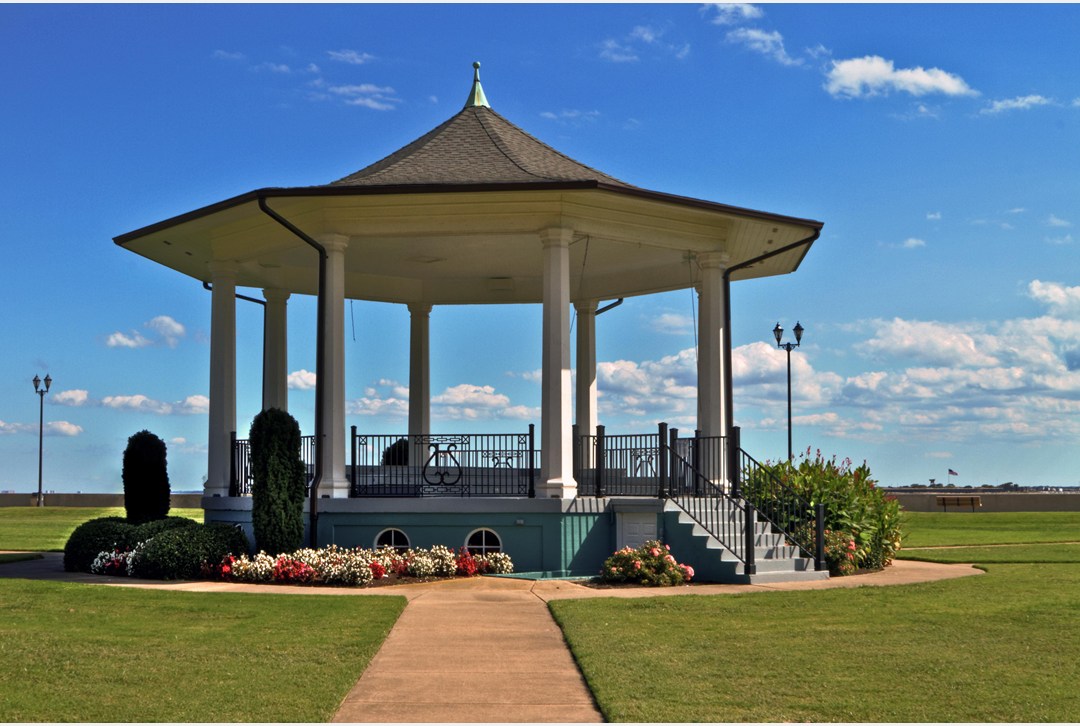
<point>483,649</point>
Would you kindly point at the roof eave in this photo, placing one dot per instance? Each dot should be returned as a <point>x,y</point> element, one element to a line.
<point>361,190</point>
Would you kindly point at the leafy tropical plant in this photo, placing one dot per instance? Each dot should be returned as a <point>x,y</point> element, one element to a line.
<point>857,512</point>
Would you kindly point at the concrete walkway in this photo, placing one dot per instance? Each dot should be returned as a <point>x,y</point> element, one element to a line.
<point>481,649</point>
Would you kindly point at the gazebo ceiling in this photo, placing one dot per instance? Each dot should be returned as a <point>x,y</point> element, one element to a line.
<point>454,217</point>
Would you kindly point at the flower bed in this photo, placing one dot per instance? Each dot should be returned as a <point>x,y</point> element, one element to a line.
<point>329,566</point>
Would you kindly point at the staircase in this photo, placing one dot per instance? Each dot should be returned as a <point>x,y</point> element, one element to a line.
<point>774,560</point>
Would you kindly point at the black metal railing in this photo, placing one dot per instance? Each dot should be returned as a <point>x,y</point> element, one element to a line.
<point>443,465</point>
<point>622,465</point>
<point>241,475</point>
<point>801,522</point>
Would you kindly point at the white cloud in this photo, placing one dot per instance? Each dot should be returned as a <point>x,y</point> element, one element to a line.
<point>62,428</point>
<point>770,44</point>
<point>1054,221</point>
<point>1020,103</point>
<point>350,56</point>
<point>645,33</point>
<point>467,394</point>
<point>168,329</point>
<point>120,340</point>
<point>1061,300</point>
<point>75,397</point>
<point>274,67</point>
<point>928,342</point>
<point>1066,240</point>
<point>301,380</point>
<point>533,376</point>
<point>612,50</point>
<point>913,243</point>
<point>731,13</point>
<point>196,404</point>
<point>933,216</point>
<point>672,324</point>
<point>874,75</point>
<point>369,95</point>
<point>165,331</point>
<point>228,55</point>
<point>571,116</point>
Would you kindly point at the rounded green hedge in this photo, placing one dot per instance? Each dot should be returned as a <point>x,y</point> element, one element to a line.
<point>179,554</point>
<point>108,533</point>
<point>94,536</point>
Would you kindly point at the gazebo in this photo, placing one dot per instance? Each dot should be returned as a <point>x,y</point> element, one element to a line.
<point>477,211</point>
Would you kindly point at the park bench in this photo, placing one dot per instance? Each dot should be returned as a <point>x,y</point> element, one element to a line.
<point>962,501</point>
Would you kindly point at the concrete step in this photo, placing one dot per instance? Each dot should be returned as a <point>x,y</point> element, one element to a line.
<point>775,561</point>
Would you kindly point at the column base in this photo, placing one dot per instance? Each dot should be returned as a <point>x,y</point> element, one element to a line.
<point>557,489</point>
<point>334,488</point>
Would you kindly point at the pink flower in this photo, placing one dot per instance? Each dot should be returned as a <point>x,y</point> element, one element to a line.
<point>637,564</point>
<point>654,552</point>
<point>669,558</point>
<point>667,547</point>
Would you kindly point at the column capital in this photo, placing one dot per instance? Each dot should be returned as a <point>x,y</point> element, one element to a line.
<point>418,308</point>
<point>556,236</point>
<point>333,242</point>
<point>585,307</point>
<point>276,295</point>
<point>713,260</point>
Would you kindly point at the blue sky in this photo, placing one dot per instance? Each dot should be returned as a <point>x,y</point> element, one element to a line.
<point>939,144</point>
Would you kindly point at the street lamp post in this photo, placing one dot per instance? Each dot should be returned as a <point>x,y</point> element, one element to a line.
<point>778,333</point>
<point>41,431</point>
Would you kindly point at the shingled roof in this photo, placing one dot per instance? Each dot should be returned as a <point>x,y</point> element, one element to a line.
<point>476,146</point>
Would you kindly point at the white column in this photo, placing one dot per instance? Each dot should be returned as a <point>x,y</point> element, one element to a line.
<point>419,379</point>
<point>335,483</point>
<point>275,351</point>
<point>222,415</point>
<point>556,462</point>
<point>585,411</point>
<point>712,339</point>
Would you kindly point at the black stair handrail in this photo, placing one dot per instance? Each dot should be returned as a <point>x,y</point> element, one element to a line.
<point>789,513</point>
<point>731,521</point>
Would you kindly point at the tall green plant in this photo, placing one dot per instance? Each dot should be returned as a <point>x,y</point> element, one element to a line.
<point>146,478</point>
<point>277,491</point>
<point>856,510</point>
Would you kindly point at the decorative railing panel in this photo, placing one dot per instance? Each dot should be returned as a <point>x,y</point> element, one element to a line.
<point>622,465</point>
<point>443,465</point>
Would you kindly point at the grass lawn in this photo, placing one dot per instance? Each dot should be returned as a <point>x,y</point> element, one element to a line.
<point>92,653</point>
<point>1007,641</point>
<point>44,529</point>
<point>927,529</point>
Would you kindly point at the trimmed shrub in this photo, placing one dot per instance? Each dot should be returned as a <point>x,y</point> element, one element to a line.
<point>180,552</point>
<point>93,537</point>
<point>146,478</point>
<point>279,481</point>
<point>146,530</point>
<point>396,454</point>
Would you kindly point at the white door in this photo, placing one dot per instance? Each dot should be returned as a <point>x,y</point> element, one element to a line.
<point>633,529</point>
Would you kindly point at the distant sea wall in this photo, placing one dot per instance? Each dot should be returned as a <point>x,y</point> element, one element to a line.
<point>179,501</point>
<point>916,501</point>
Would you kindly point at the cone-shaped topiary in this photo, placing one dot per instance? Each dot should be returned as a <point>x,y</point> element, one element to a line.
<point>279,480</point>
<point>146,478</point>
<point>396,454</point>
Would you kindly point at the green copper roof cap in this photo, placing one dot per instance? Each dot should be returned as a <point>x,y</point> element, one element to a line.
<point>476,95</point>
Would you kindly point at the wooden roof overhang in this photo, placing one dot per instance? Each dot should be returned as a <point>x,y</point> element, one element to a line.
<point>476,243</point>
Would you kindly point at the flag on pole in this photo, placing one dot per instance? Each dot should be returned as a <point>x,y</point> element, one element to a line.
<point>953,473</point>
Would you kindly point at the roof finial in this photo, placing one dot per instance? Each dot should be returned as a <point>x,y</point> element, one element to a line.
<point>476,95</point>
